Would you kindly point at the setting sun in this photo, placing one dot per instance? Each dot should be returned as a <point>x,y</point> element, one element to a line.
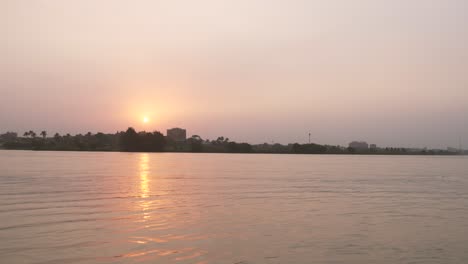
<point>145,119</point>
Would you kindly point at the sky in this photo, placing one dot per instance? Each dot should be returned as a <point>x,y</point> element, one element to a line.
<point>394,73</point>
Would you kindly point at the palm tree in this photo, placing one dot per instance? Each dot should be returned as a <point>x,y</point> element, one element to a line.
<point>32,133</point>
<point>44,134</point>
<point>26,134</point>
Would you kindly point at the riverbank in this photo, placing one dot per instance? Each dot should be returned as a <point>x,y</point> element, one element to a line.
<point>132,141</point>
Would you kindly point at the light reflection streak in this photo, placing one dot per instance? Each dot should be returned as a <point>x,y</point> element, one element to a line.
<point>144,181</point>
<point>144,186</point>
<point>151,192</point>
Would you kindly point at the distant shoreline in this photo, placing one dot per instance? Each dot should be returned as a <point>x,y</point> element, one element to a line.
<point>250,153</point>
<point>176,142</point>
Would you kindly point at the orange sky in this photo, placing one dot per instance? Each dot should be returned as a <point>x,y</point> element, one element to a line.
<point>389,72</point>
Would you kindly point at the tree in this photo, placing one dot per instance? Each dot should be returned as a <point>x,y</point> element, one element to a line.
<point>308,148</point>
<point>195,143</point>
<point>219,140</point>
<point>245,148</point>
<point>102,140</point>
<point>158,141</point>
<point>44,134</point>
<point>9,136</point>
<point>197,137</point>
<point>150,142</point>
<point>129,140</point>
<point>234,147</point>
<point>26,134</point>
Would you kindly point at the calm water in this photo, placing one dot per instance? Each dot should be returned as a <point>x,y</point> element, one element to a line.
<point>78,207</point>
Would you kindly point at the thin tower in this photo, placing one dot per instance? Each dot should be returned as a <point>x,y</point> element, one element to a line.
<point>309,137</point>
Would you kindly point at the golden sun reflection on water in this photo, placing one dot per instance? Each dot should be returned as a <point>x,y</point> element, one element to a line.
<point>153,235</point>
<point>144,186</point>
<point>144,181</point>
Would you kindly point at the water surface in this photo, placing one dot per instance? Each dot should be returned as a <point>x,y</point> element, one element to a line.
<point>84,207</point>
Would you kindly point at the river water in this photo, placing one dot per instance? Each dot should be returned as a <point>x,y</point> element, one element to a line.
<point>85,207</point>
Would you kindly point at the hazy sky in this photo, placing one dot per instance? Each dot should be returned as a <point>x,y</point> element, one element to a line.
<point>389,72</point>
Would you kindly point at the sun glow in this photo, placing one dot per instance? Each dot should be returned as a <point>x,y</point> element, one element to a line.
<point>145,119</point>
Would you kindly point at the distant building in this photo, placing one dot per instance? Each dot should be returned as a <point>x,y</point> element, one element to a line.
<point>373,146</point>
<point>177,134</point>
<point>359,145</point>
<point>454,150</point>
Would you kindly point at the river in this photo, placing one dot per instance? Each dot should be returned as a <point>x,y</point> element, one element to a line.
<point>97,207</point>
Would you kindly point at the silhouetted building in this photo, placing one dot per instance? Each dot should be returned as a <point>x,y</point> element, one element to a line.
<point>359,145</point>
<point>177,134</point>
<point>373,146</point>
<point>453,150</point>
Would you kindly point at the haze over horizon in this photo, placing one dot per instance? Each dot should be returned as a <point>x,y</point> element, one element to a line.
<point>394,73</point>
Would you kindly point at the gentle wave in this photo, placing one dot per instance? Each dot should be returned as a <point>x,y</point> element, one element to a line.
<point>71,207</point>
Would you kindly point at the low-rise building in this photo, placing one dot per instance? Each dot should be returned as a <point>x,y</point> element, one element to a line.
<point>454,150</point>
<point>359,145</point>
<point>177,134</point>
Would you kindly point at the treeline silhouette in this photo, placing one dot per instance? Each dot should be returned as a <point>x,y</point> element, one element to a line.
<point>142,141</point>
<point>129,141</point>
<point>133,141</point>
